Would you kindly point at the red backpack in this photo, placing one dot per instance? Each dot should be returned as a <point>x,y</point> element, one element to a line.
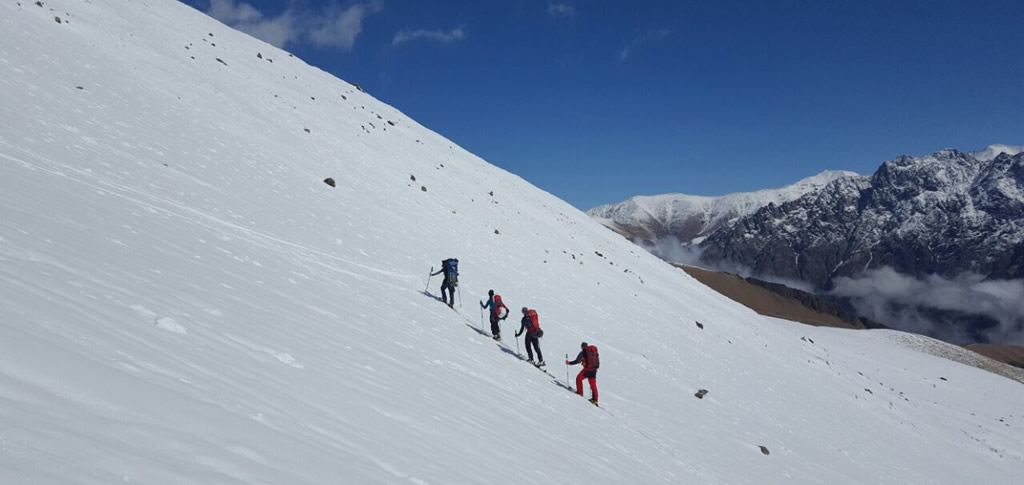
<point>498,305</point>
<point>534,322</point>
<point>591,359</point>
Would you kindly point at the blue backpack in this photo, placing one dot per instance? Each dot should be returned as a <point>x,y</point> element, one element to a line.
<point>452,269</point>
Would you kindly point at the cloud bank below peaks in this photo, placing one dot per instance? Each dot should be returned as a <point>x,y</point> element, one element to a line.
<point>902,301</point>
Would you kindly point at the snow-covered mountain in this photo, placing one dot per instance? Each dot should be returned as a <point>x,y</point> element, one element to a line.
<point>183,300</point>
<point>993,151</point>
<point>942,214</point>
<point>682,218</point>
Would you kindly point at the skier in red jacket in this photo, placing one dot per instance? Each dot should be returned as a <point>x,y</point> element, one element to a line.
<point>588,356</point>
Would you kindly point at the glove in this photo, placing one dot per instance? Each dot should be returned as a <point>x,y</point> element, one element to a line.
<point>567,362</point>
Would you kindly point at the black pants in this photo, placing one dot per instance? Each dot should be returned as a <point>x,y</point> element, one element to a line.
<point>451,291</point>
<point>495,327</point>
<point>533,338</point>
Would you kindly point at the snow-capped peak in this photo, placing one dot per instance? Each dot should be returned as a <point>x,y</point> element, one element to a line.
<point>993,151</point>
<point>686,217</point>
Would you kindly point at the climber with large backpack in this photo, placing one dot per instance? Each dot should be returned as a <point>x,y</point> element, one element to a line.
<point>531,327</point>
<point>496,306</point>
<point>591,361</point>
<point>450,268</point>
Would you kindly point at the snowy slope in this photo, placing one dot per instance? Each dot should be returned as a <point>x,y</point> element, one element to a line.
<point>182,300</point>
<point>686,217</point>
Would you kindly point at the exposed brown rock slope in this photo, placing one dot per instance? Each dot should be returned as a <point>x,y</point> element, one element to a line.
<point>1011,354</point>
<point>765,301</point>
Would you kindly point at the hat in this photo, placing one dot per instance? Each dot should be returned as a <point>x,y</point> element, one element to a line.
<point>583,345</point>
<point>490,292</point>
<point>525,309</point>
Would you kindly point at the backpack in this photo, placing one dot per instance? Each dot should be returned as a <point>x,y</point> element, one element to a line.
<point>534,321</point>
<point>498,305</point>
<point>451,267</point>
<point>593,360</point>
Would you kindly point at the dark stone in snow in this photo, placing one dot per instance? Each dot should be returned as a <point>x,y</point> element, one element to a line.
<point>329,181</point>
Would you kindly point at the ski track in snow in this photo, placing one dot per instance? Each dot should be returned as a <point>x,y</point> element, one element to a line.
<point>183,300</point>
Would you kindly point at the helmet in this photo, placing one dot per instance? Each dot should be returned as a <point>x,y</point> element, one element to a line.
<point>490,292</point>
<point>583,345</point>
<point>525,309</point>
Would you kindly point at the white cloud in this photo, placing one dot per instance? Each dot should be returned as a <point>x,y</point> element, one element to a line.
<point>902,301</point>
<point>431,35</point>
<point>228,11</point>
<point>278,31</point>
<point>561,10</point>
<point>331,27</point>
<point>340,27</point>
<point>641,40</point>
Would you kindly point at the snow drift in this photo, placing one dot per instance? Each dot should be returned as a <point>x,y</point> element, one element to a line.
<point>183,300</point>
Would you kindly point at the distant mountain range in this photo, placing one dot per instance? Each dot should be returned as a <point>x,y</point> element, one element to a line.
<point>690,218</point>
<point>943,215</point>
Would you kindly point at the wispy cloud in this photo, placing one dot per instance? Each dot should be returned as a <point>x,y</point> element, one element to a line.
<point>436,35</point>
<point>340,27</point>
<point>903,302</point>
<point>641,40</point>
<point>561,10</point>
<point>330,27</point>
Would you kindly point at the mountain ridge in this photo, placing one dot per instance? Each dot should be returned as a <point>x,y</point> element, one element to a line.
<point>688,217</point>
<point>944,213</point>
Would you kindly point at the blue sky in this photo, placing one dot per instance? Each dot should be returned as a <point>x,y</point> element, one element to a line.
<point>596,101</point>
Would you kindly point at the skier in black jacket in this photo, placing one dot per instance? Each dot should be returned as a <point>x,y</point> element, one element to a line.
<point>531,326</point>
<point>450,268</point>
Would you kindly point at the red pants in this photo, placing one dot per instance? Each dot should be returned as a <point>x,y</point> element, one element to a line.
<point>591,376</point>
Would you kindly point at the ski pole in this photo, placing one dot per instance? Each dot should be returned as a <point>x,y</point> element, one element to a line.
<point>429,275</point>
<point>459,291</point>
<point>567,370</point>
<point>481,319</point>
<point>517,347</point>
